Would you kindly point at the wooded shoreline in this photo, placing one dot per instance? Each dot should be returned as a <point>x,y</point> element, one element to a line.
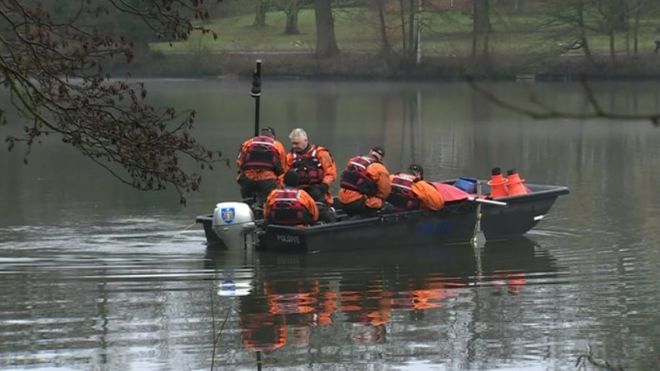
<point>361,66</point>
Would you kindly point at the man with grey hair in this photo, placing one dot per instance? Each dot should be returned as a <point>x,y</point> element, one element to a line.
<point>316,168</point>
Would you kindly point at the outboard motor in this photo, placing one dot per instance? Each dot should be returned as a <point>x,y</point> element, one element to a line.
<point>233,222</point>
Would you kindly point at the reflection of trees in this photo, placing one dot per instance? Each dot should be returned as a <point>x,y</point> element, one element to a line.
<point>326,119</point>
<point>410,133</point>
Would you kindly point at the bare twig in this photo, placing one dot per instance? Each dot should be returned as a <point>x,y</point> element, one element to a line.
<point>588,358</point>
<point>544,111</point>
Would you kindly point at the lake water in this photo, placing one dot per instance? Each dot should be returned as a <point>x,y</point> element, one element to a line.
<point>95,275</point>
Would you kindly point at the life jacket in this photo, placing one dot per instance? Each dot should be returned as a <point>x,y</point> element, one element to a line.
<point>286,208</point>
<point>308,167</point>
<point>402,196</point>
<point>261,154</point>
<point>355,176</point>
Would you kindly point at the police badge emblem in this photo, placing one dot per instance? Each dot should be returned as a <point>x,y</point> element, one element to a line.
<point>228,214</point>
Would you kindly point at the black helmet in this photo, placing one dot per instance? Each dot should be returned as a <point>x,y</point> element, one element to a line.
<point>291,179</point>
<point>379,152</point>
<point>267,130</point>
<point>415,168</point>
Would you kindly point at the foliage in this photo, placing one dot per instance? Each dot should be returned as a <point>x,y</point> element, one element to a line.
<point>544,33</point>
<point>52,63</point>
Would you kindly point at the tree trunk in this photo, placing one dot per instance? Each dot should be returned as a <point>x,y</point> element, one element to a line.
<point>583,34</point>
<point>612,47</point>
<point>612,27</point>
<point>480,29</point>
<point>418,38</point>
<point>482,15</point>
<point>620,15</point>
<point>292,18</point>
<point>402,15</point>
<point>326,44</point>
<point>386,47</point>
<point>638,12</point>
<point>407,16</point>
<point>260,14</point>
<point>475,32</point>
<point>412,26</point>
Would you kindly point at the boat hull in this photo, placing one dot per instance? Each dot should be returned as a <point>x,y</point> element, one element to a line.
<point>212,238</point>
<point>454,224</point>
<point>521,214</point>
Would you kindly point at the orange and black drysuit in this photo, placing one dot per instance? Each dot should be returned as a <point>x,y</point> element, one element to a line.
<point>316,169</point>
<point>260,162</point>
<point>365,184</point>
<point>411,193</point>
<point>290,206</point>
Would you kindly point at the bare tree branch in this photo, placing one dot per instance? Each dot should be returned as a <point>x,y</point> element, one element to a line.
<point>53,69</point>
<point>544,112</point>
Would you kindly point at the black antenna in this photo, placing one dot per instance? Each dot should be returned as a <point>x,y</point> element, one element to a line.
<point>256,94</point>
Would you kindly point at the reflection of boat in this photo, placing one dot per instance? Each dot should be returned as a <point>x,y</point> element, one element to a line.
<point>513,262</point>
<point>298,291</point>
<point>522,254</point>
<point>233,224</point>
<point>361,296</point>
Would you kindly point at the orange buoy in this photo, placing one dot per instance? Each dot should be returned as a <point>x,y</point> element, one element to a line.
<point>516,186</point>
<point>497,183</point>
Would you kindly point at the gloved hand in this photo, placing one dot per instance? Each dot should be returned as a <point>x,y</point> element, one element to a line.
<point>323,188</point>
<point>386,208</point>
<point>278,169</point>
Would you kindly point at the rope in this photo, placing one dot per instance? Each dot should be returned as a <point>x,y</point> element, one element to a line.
<point>183,230</point>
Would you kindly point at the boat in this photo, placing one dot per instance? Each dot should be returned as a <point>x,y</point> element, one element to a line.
<point>233,224</point>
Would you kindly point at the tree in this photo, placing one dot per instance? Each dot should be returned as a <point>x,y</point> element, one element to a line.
<point>411,27</point>
<point>582,29</point>
<point>290,9</point>
<point>637,13</point>
<point>481,29</point>
<point>260,13</point>
<point>52,65</point>
<point>386,46</point>
<point>326,44</point>
<point>574,15</point>
<point>292,18</point>
<point>401,22</point>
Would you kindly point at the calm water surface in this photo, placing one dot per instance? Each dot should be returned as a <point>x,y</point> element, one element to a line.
<point>94,275</point>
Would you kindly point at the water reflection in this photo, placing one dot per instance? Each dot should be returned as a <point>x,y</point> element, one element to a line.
<point>516,263</point>
<point>382,294</point>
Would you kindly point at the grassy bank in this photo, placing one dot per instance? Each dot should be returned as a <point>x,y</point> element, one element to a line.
<point>519,44</point>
